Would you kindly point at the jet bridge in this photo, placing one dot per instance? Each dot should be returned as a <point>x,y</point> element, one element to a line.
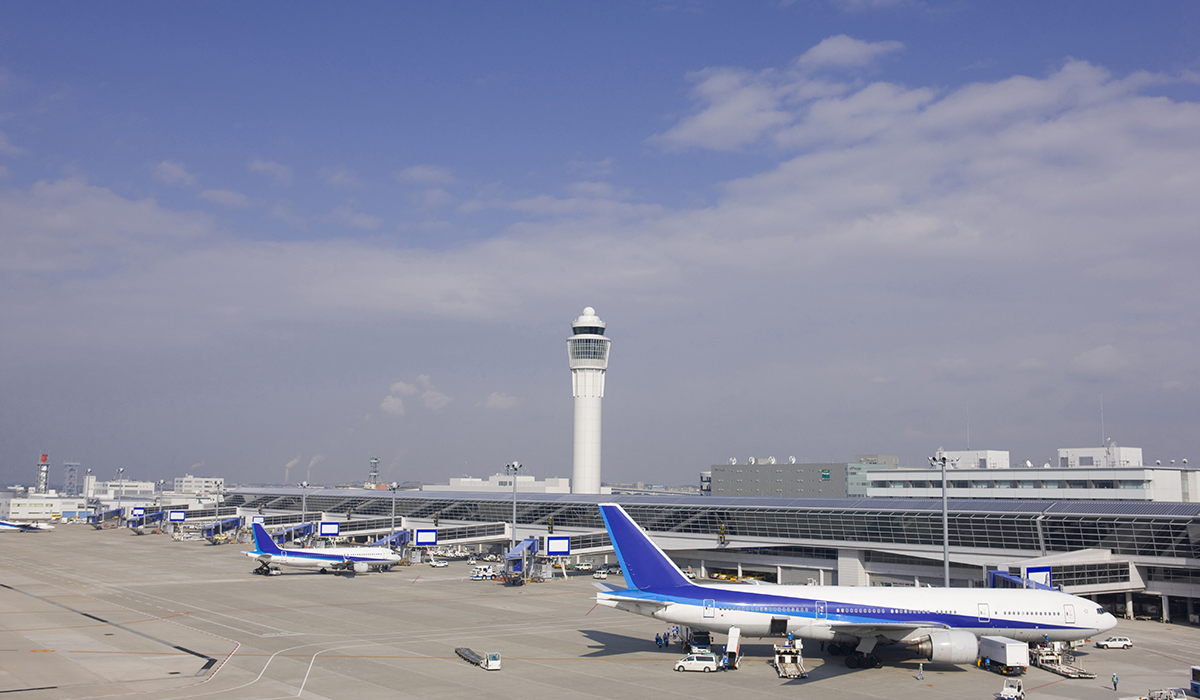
<point>221,526</point>
<point>294,533</point>
<point>144,520</point>
<point>398,539</point>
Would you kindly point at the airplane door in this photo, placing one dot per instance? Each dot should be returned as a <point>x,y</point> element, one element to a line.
<point>710,608</point>
<point>820,606</point>
<point>1069,614</point>
<point>985,613</point>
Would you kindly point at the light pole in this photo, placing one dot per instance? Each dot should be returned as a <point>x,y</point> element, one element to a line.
<point>393,488</point>
<point>120,510</point>
<point>941,460</point>
<point>512,468</point>
<point>303,503</point>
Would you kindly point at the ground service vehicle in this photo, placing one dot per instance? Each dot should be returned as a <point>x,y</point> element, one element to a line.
<point>1195,680</point>
<point>1115,643</point>
<point>488,661</point>
<point>1012,690</point>
<point>698,662</point>
<point>1005,656</point>
<point>1161,694</point>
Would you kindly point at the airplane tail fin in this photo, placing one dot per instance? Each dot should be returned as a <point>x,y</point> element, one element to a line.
<point>642,562</point>
<point>263,542</point>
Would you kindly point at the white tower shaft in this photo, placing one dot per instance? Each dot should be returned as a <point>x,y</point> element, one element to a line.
<point>587,351</point>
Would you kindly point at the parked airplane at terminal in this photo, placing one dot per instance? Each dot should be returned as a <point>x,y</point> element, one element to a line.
<point>943,625</point>
<point>271,556</point>
<point>9,526</point>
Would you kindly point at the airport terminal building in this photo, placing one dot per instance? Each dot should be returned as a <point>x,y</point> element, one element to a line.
<point>1136,558</point>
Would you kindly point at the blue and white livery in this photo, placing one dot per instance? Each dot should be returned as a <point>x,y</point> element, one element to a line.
<point>9,526</point>
<point>943,625</point>
<point>271,556</point>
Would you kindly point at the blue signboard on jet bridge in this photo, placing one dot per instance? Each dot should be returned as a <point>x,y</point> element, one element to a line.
<point>426,538</point>
<point>138,511</point>
<point>178,516</point>
<point>330,529</point>
<point>1039,574</point>
<point>558,546</point>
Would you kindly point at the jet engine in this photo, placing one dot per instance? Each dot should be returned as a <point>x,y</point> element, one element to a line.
<point>950,647</point>
<point>360,567</point>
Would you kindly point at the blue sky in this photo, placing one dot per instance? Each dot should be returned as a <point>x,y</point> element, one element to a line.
<point>236,237</point>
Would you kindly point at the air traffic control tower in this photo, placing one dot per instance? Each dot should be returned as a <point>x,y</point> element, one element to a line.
<point>587,351</point>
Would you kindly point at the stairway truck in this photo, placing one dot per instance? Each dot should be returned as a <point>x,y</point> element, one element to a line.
<point>733,648</point>
<point>1005,656</point>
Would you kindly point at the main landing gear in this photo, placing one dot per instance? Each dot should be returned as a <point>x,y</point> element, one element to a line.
<point>855,659</point>
<point>265,570</point>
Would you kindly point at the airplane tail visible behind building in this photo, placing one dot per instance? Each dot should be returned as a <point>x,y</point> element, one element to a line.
<point>645,565</point>
<point>263,542</point>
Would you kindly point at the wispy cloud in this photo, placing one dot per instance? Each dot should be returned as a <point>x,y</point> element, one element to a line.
<point>426,175</point>
<point>227,198</point>
<point>174,173</point>
<point>281,173</point>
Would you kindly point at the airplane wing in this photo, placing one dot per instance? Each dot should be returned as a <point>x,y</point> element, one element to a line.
<point>894,631</point>
<point>631,603</point>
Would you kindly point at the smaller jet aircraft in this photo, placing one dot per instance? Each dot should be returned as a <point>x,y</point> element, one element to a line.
<point>271,556</point>
<point>9,526</point>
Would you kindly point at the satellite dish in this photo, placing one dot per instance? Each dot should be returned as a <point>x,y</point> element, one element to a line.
<point>771,460</point>
<point>1158,461</point>
<point>733,460</point>
<point>1185,461</point>
<point>1028,464</point>
<point>751,460</point>
<point>792,459</point>
<point>1046,465</point>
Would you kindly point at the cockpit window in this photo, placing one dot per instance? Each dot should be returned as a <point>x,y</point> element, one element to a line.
<point>1099,611</point>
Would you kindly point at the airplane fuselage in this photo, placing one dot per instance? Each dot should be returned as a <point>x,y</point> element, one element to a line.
<point>817,612</point>
<point>334,558</point>
<point>10,526</point>
<point>271,556</point>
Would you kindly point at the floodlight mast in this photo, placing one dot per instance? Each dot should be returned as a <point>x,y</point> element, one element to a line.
<point>941,460</point>
<point>512,468</point>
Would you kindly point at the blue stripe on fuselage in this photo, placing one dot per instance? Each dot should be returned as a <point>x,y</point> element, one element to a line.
<point>805,608</point>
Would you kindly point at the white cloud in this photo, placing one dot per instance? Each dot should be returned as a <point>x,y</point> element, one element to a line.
<point>740,106</point>
<point>347,216</point>
<point>227,198</point>
<point>341,177</point>
<point>405,389</point>
<point>281,173</point>
<point>7,148</point>
<point>426,175</point>
<point>174,173</point>
<point>499,401</point>
<point>393,405</point>
<point>435,400</point>
<point>432,198</point>
<point>845,51</point>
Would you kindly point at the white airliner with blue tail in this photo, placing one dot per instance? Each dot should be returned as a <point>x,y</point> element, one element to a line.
<point>942,625</point>
<point>271,556</point>
<point>9,526</point>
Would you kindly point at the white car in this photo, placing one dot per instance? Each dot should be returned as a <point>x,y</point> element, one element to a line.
<point>584,566</point>
<point>438,563</point>
<point>600,575</point>
<point>1115,643</point>
<point>698,662</point>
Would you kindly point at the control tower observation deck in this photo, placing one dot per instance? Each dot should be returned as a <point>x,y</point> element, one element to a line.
<point>587,351</point>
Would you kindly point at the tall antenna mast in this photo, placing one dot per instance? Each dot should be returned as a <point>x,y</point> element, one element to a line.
<point>1102,431</point>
